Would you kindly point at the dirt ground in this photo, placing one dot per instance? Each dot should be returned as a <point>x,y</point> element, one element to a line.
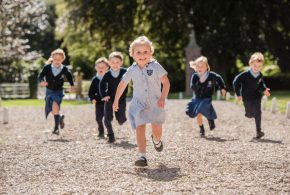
<point>227,161</point>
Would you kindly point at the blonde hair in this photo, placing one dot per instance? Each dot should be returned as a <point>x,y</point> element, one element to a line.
<point>142,40</point>
<point>102,60</point>
<point>256,56</point>
<point>116,54</point>
<point>198,60</point>
<point>58,52</point>
<point>49,61</point>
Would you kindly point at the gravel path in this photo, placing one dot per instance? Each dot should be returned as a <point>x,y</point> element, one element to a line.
<point>226,161</point>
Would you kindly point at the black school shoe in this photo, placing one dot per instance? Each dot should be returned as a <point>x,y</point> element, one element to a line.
<point>61,121</point>
<point>101,135</point>
<point>160,148</point>
<point>201,131</point>
<point>211,124</point>
<point>260,134</point>
<point>141,162</point>
<point>111,139</point>
<point>56,132</point>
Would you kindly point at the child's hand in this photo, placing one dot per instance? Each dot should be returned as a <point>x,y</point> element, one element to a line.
<point>106,98</point>
<point>43,83</point>
<point>267,92</point>
<point>161,103</point>
<point>239,98</point>
<point>115,106</point>
<point>72,89</point>
<point>223,92</point>
<point>94,101</point>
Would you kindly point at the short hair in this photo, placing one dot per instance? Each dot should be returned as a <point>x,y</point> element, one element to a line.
<point>258,56</point>
<point>102,60</point>
<point>116,54</point>
<point>58,52</point>
<point>142,40</point>
<point>198,60</point>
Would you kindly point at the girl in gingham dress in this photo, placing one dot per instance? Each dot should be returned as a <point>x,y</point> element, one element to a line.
<point>147,105</point>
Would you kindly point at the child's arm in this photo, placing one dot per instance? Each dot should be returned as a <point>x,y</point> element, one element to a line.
<point>92,91</point>
<point>69,77</point>
<point>165,90</point>
<point>237,84</point>
<point>104,89</point>
<point>263,88</point>
<point>194,81</point>
<point>41,76</point>
<point>121,87</point>
<point>221,84</point>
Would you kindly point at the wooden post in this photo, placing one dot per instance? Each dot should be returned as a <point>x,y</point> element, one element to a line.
<point>5,115</point>
<point>218,95</point>
<point>180,95</point>
<point>228,96</point>
<point>288,110</point>
<point>264,102</point>
<point>274,105</point>
<point>0,101</point>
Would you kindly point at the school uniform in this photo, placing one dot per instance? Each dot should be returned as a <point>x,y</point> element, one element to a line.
<point>95,94</point>
<point>108,87</point>
<point>251,87</point>
<point>55,79</point>
<point>146,92</point>
<point>202,103</point>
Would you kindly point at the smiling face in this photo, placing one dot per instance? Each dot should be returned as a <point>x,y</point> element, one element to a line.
<point>101,68</point>
<point>201,68</point>
<point>115,63</point>
<point>256,66</point>
<point>57,60</point>
<point>142,54</point>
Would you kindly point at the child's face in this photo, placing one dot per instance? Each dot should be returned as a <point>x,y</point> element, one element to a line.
<point>57,60</point>
<point>142,54</point>
<point>101,68</point>
<point>201,68</point>
<point>115,63</point>
<point>256,66</point>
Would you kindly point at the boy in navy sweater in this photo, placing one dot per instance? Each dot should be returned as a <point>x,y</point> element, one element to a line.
<point>249,87</point>
<point>52,77</point>
<point>101,66</point>
<point>108,87</point>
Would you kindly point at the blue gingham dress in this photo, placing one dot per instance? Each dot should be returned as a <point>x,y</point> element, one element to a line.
<point>146,92</point>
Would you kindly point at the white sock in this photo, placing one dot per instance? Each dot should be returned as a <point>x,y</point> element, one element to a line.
<point>142,155</point>
<point>157,143</point>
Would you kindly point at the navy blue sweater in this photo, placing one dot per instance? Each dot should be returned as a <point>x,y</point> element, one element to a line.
<point>249,87</point>
<point>206,89</point>
<point>109,84</point>
<point>55,82</point>
<point>94,90</point>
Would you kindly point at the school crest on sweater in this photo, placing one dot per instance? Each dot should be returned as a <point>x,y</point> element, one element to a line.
<point>149,72</point>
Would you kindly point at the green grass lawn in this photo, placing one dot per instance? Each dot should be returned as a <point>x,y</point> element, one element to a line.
<point>36,102</point>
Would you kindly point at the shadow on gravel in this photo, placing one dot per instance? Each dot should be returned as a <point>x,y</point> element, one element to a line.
<point>218,139</point>
<point>124,144</point>
<point>267,141</point>
<point>58,140</point>
<point>162,173</point>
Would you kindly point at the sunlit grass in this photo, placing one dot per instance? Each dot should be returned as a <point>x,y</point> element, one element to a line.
<point>36,102</point>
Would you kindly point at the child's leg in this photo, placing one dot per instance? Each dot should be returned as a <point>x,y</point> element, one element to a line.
<point>121,114</point>
<point>109,118</point>
<point>55,112</point>
<point>199,122</point>
<point>156,132</point>
<point>141,139</point>
<point>99,118</point>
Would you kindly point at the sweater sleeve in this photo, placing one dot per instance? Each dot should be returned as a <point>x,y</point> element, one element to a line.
<point>69,77</point>
<point>237,84</point>
<point>92,90</point>
<point>103,86</point>
<point>262,86</point>
<point>42,74</point>
<point>220,82</point>
<point>194,81</point>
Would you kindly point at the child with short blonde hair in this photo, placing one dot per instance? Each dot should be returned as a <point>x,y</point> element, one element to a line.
<point>147,105</point>
<point>204,83</point>
<point>52,77</point>
<point>249,87</point>
<point>101,66</point>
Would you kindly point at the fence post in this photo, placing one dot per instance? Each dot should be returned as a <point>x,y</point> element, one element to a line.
<point>274,105</point>
<point>264,102</point>
<point>5,115</point>
<point>0,101</point>
<point>288,110</point>
<point>228,96</point>
<point>218,95</point>
<point>180,95</point>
